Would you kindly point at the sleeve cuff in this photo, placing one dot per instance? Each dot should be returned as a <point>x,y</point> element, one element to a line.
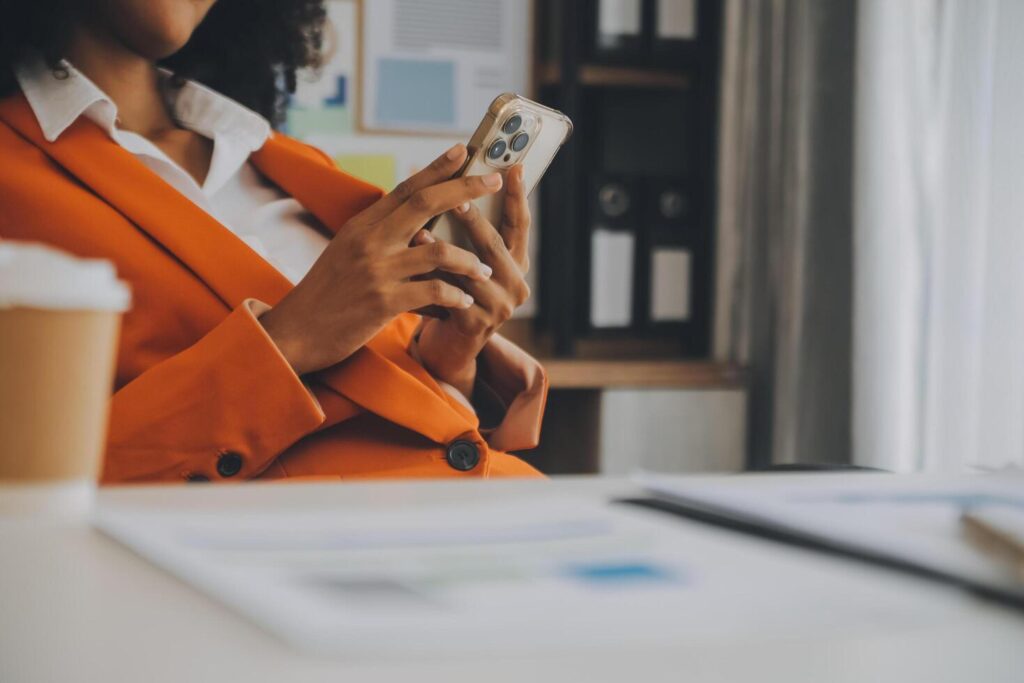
<point>258,308</point>
<point>231,394</point>
<point>513,380</point>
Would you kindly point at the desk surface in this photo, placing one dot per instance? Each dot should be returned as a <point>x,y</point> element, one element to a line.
<point>76,606</point>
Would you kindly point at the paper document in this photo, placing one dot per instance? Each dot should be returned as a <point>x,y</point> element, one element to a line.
<point>435,65</point>
<point>480,578</point>
<point>906,518</point>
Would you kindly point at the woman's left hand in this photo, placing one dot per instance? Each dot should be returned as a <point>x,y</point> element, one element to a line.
<point>448,348</point>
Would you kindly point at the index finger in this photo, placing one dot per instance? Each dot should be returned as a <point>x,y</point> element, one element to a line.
<point>437,199</point>
<point>440,169</point>
<point>515,221</point>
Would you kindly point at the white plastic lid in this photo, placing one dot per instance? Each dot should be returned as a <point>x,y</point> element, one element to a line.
<point>37,276</point>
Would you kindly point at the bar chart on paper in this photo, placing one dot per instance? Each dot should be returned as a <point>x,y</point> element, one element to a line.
<point>555,576</point>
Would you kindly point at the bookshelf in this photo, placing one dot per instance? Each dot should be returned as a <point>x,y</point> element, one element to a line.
<point>646,128</point>
<point>628,77</point>
<point>605,380</point>
<point>625,364</point>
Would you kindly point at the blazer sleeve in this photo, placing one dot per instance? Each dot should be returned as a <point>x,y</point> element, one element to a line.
<point>512,386</point>
<point>221,410</point>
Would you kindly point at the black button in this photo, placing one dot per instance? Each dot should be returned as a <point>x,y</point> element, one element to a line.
<point>196,478</point>
<point>463,455</point>
<point>229,464</point>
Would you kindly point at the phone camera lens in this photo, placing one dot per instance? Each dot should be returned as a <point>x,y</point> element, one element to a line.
<point>519,142</point>
<point>496,149</point>
<point>512,125</point>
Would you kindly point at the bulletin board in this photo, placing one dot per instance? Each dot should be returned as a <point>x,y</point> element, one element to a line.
<point>431,92</point>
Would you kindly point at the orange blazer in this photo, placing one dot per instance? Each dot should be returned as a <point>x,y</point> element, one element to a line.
<point>201,393</point>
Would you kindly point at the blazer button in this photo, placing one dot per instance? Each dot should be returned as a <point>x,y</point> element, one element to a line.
<point>229,464</point>
<point>463,455</point>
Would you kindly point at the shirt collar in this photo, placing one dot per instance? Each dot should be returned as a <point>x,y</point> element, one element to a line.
<point>58,101</point>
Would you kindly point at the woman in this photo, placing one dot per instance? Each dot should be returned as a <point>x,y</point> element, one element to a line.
<point>271,334</point>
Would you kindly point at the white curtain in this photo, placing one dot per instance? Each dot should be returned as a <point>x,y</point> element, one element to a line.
<point>938,342</point>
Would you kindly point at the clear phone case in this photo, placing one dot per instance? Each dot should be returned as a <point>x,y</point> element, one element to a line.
<point>515,130</point>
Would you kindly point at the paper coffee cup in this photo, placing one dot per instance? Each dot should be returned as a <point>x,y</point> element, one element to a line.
<point>59,322</point>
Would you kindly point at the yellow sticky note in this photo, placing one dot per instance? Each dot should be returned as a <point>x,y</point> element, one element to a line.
<point>378,169</point>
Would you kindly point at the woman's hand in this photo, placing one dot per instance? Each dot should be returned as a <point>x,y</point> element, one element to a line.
<point>366,276</point>
<point>448,348</point>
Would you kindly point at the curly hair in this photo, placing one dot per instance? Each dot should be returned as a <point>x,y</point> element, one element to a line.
<point>249,50</point>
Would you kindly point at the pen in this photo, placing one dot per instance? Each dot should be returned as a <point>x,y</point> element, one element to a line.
<point>995,540</point>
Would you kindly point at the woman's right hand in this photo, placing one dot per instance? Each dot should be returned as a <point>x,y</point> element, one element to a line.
<point>366,275</point>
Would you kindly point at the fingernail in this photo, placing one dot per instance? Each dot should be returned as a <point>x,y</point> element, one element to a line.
<point>463,207</point>
<point>454,153</point>
<point>467,300</point>
<point>485,270</point>
<point>426,236</point>
<point>492,180</point>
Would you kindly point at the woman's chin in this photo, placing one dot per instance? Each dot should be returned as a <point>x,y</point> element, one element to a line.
<point>155,47</point>
<point>155,29</point>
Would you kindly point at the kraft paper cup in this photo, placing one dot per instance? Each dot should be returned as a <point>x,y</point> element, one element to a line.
<point>59,323</point>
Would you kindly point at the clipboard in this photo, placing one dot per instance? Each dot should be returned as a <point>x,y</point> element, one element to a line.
<point>1004,591</point>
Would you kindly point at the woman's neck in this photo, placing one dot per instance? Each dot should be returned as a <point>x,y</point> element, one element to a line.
<point>129,79</point>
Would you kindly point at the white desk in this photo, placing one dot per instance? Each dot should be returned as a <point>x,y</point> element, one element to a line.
<point>75,606</point>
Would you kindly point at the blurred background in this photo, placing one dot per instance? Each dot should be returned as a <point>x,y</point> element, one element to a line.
<point>783,232</point>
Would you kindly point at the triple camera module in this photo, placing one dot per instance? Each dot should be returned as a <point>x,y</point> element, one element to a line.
<point>515,138</point>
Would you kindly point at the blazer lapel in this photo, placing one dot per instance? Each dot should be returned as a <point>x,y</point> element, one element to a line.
<point>212,252</point>
<point>326,191</point>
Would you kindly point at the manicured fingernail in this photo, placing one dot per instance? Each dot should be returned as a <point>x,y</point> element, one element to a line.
<point>453,153</point>
<point>467,300</point>
<point>463,207</point>
<point>485,270</point>
<point>492,180</point>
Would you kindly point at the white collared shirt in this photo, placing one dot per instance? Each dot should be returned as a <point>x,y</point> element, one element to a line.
<point>273,224</point>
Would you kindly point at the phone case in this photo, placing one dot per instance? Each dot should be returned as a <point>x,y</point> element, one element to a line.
<point>546,130</point>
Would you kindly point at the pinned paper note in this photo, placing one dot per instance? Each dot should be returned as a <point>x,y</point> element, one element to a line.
<point>434,66</point>
<point>415,92</point>
<point>303,123</point>
<point>377,169</point>
<point>322,101</point>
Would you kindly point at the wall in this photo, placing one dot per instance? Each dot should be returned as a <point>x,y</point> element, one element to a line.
<point>672,431</point>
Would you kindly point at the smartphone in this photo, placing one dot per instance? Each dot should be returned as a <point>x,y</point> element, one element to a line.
<point>514,130</point>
